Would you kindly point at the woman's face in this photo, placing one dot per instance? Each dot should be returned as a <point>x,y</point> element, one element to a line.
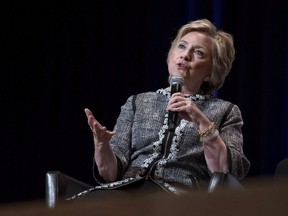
<point>191,58</point>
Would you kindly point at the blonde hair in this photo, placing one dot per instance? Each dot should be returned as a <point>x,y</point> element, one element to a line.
<point>223,53</point>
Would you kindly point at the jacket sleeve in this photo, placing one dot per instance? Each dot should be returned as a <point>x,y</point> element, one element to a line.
<point>121,141</point>
<point>231,134</point>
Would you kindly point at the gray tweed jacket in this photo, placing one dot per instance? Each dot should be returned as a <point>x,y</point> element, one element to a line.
<point>145,150</point>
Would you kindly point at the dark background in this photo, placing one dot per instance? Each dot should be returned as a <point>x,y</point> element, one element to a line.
<point>59,57</point>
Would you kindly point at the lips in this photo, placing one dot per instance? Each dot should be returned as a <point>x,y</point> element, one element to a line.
<point>182,66</point>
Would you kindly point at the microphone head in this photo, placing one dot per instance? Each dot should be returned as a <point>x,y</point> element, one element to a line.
<point>176,80</point>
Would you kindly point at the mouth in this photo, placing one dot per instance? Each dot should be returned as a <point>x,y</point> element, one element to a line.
<point>182,66</point>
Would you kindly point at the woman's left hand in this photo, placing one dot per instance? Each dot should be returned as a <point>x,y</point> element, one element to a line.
<point>186,108</point>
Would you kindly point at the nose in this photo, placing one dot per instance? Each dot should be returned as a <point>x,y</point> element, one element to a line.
<point>186,56</point>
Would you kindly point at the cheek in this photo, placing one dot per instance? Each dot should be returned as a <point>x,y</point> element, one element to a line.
<point>173,56</point>
<point>204,67</point>
<point>170,62</point>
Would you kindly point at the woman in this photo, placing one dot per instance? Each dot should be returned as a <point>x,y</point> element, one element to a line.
<point>208,135</point>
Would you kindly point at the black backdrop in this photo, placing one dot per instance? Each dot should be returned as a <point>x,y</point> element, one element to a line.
<point>62,56</point>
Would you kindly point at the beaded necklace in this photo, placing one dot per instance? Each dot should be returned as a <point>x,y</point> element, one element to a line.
<point>196,97</point>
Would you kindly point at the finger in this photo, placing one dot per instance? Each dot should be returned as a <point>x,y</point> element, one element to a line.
<point>101,133</point>
<point>94,123</point>
<point>179,104</point>
<point>176,97</point>
<point>91,121</point>
<point>112,132</point>
<point>97,129</point>
<point>177,94</point>
<point>87,112</point>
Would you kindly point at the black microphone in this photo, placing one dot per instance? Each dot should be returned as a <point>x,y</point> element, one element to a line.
<point>176,83</point>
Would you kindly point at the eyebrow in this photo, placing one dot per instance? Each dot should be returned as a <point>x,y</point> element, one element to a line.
<point>195,46</point>
<point>183,41</point>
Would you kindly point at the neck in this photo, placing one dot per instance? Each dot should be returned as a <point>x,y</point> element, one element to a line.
<point>190,91</point>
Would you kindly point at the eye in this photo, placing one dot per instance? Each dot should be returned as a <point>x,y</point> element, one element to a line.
<point>199,53</point>
<point>181,46</point>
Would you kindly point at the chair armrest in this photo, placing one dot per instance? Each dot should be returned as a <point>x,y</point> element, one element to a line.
<point>281,170</point>
<point>222,180</point>
<point>61,186</point>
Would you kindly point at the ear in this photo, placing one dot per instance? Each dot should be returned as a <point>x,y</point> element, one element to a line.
<point>208,77</point>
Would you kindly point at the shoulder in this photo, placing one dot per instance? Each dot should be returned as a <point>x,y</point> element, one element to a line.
<point>234,108</point>
<point>229,112</point>
<point>152,100</point>
<point>150,95</point>
<point>221,108</point>
<point>222,104</point>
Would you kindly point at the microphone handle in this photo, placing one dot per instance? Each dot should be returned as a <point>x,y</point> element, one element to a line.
<point>175,87</point>
<point>173,116</point>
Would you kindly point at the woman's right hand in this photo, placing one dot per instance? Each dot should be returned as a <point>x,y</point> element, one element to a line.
<point>104,156</point>
<point>101,135</point>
